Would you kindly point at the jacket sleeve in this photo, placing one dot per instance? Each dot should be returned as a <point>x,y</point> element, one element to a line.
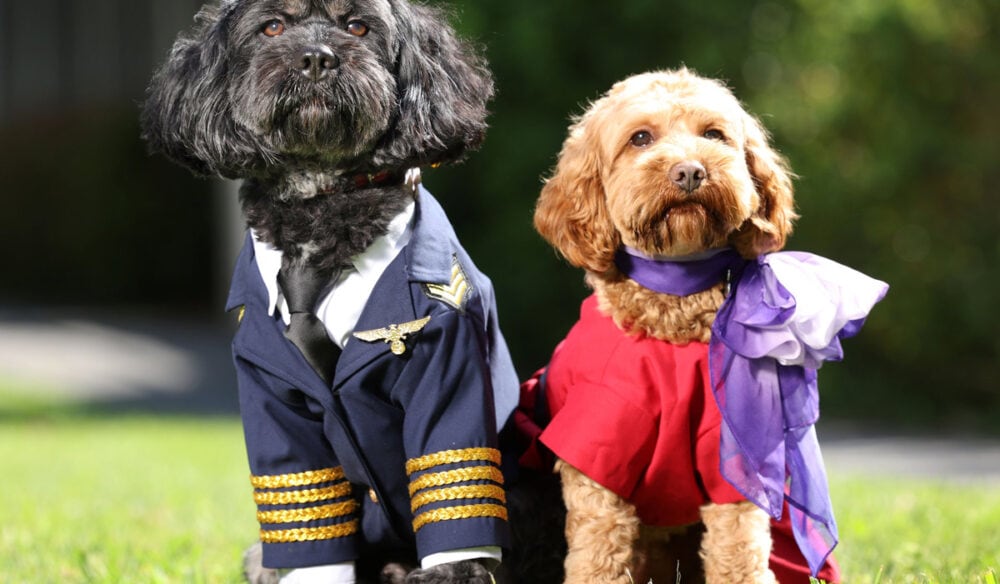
<point>449,432</point>
<point>305,507</point>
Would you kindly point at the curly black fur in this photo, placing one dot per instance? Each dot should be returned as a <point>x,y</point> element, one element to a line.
<point>455,573</point>
<point>400,92</point>
<point>327,230</point>
<point>233,101</point>
<point>537,521</point>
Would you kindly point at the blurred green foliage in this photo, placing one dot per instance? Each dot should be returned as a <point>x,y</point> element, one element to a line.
<point>90,218</point>
<point>886,111</point>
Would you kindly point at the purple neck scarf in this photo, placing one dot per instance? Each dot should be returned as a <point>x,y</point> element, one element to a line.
<point>768,409</point>
<point>681,276</point>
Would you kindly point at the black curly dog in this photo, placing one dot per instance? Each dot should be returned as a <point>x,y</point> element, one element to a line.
<point>321,106</point>
<point>301,98</point>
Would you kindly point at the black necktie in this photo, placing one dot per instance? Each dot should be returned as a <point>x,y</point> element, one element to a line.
<point>302,286</point>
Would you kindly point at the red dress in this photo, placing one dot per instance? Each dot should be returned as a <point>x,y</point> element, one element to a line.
<point>637,415</point>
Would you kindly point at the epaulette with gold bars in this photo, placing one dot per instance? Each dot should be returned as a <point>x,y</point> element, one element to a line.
<point>456,292</point>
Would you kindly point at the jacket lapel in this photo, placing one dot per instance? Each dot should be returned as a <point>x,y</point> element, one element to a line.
<point>390,303</point>
<point>426,258</point>
<point>260,337</point>
<point>260,341</point>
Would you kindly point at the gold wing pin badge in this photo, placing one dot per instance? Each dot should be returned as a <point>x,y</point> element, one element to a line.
<point>394,334</point>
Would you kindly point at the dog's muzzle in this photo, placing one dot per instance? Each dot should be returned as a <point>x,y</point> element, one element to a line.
<point>688,175</point>
<point>317,62</point>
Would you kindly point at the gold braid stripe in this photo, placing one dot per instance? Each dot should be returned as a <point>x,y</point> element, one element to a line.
<point>310,477</point>
<point>453,493</point>
<point>305,496</point>
<point>451,457</point>
<point>308,514</point>
<point>309,533</point>
<point>460,512</point>
<point>459,475</point>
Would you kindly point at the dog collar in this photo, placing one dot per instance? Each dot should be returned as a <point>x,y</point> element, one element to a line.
<point>382,177</point>
<point>679,276</point>
<point>409,177</point>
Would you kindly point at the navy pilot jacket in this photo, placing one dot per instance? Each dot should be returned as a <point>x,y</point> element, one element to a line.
<point>401,452</point>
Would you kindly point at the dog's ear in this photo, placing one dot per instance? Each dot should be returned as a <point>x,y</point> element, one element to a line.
<point>572,214</point>
<point>187,114</point>
<point>444,86</point>
<point>771,223</point>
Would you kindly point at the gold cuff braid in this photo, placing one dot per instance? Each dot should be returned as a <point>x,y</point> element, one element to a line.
<point>452,456</point>
<point>459,475</point>
<point>308,514</point>
<point>309,533</point>
<point>310,477</point>
<point>455,493</point>
<point>304,496</point>
<point>460,512</point>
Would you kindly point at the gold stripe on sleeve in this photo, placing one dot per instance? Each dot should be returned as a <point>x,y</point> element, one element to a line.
<point>301,479</point>
<point>308,514</point>
<point>455,493</point>
<point>459,475</point>
<point>304,496</point>
<point>309,533</point>
<point>451,457</point>
<point>460,512</point>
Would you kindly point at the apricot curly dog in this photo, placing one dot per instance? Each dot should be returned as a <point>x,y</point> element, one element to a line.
<point>668,194</point>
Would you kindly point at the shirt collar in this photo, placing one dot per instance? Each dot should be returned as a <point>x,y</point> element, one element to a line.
<point>373,261</point>
<point>430,258</point>
<point>369,263</point>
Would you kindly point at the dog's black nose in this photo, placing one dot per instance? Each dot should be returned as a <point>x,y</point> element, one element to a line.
<point>688,175</point>
<point>316,62</point>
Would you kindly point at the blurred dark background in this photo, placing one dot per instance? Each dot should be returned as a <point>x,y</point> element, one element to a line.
<point>886,110</point>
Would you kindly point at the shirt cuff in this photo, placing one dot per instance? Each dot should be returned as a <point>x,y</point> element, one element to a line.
<point>342,573</point>
<point>478,553</point>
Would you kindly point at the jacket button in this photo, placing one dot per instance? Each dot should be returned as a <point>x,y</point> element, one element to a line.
<point>373,496</point>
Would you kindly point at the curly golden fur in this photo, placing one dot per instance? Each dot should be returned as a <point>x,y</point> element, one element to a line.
<point>615,185</point>
<point>606,192</point>
<point>607,543</point>
<point>601,529</point>
<point>736,545</point>
<point>675,319</point>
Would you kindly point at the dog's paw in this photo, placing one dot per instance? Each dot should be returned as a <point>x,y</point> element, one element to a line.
<point>253,568</point>
<point>465,572</point>
<point>393,573</point>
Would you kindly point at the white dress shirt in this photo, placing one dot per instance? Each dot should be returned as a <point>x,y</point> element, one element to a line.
<point>342,306</point>
<point>339,311</point>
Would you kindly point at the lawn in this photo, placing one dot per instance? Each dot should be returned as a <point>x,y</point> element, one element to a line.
<point>123,499</point>
<point>902,531</point>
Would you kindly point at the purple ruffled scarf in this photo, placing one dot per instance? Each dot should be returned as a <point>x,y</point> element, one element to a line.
<point>769,405</point>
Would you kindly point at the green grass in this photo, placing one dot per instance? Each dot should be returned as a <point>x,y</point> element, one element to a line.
<point>98,498</point>
<point>122,500</point>
<point>902,531</point>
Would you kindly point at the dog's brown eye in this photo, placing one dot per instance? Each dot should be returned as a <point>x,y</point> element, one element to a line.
<point>641,139</point>
<point>274,28</point>
<point>714,135</point>
<point>357,28</point>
